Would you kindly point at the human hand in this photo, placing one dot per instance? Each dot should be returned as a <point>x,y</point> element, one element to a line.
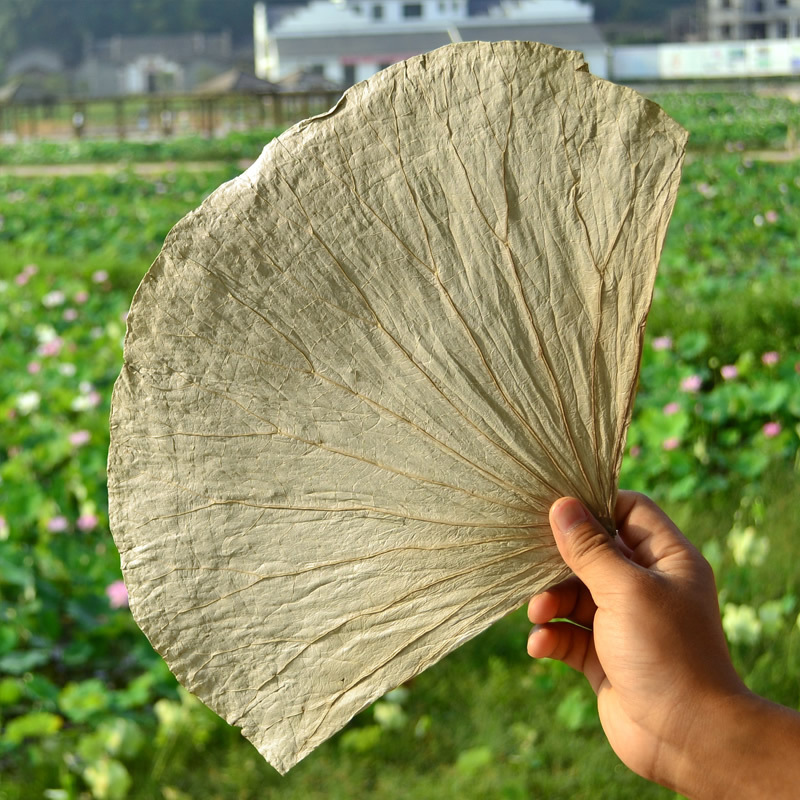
<point>650,643</point>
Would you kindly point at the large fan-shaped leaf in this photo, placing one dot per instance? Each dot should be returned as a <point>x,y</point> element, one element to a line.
<point>357,377</point>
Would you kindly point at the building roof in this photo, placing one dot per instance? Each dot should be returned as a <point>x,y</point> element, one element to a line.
<point>302,80</point>
<point>570,36</point>
<point>277,11</point>
<point>398,46</point>
<point>395,46</point>
<point>22,91</point>
<point>237,82</point>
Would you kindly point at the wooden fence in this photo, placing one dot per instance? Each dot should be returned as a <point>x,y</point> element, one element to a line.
<point>157,116</point>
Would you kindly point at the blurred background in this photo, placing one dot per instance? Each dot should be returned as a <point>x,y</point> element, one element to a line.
<point>117,117</point>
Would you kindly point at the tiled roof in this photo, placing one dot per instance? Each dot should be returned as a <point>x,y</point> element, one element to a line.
<point>394,44</point>
<point>235,80</point>
<point>572,36</point>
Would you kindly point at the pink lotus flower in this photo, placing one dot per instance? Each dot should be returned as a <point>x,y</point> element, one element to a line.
<point>100,276</point>
<point>706,190</point>
<point>771,216</point>
<point>729,372</point>
<point>671,408</point>
<point>87,522</point>
<point>70,315</point>
<point>57,524</point>
<point>772,429</point>
<point>34,367</point>
<point>636,451</point>
<point>51,348</point>
<point>117,594</point>
<point>53,299</point>
<point>27,272</point>
<point>79,438</point>
<point>692,383</point>
<point>662,343</point>
<point>770,358</point>
<point>80,297</point>
<point>671,444</point>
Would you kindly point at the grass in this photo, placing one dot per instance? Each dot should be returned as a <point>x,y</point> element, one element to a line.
<point>230,148</point>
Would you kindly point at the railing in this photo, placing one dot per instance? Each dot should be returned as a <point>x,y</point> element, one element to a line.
<point>154,116</point>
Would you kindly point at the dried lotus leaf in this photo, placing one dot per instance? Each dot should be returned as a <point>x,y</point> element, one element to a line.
<point>359,374</point>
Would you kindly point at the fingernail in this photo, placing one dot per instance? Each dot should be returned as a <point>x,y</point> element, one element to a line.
<point>568,513</point>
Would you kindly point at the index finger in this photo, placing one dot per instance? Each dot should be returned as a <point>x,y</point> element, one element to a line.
<point>647,530</point>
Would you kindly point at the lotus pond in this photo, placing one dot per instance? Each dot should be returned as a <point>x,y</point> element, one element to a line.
<point>88,709</point>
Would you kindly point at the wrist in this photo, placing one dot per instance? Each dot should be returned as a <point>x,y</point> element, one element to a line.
<point>705,764</point>
<point>738,750</point>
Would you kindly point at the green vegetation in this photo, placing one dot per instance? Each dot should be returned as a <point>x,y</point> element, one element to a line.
<point>733,121</point>
<point>119,220</point>
<point>231,148</point>
<point>89,710</point>
<point>635,10</point>
<point>719,397</point>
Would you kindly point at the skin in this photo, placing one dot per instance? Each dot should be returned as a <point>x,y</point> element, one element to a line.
<point>644,628</point>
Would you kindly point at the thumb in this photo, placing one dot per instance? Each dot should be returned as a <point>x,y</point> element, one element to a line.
<point>585,545</point>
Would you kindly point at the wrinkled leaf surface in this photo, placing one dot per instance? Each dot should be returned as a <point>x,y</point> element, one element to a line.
<point>358,376</point>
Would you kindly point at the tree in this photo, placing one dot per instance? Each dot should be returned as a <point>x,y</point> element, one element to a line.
<point>64,25</point>
<point>636,10</point>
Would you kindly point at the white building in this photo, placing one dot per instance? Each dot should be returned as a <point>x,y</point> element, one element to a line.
<point>349,40</point>
<point>753,19</point>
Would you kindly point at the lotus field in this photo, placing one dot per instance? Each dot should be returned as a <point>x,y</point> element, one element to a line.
<point>89,710</point>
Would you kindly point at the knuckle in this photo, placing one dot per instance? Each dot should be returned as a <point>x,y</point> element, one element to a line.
<point>588,543</point>
<point>643,500</point>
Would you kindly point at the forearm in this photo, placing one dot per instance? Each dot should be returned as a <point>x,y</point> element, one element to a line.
<point>748,749</point>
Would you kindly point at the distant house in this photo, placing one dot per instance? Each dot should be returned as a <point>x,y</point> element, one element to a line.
<point>34,75</point>
<point>348,40</point>
<point>752,19</point>
<point>149,64</point>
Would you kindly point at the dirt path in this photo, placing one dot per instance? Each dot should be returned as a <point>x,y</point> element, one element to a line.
<point>160,167</point>
<point>773,156</point>
<point>147,168</point>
